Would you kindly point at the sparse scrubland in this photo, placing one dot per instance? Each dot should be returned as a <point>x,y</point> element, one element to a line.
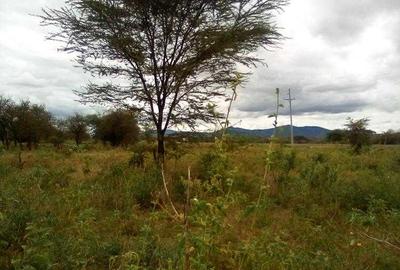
<point>251,206</point>
<point>157,203</point>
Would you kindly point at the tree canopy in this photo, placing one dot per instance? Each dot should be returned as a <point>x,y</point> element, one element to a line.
<point>358,134</point>
<point>118,128</point>
<point>23,122</point>
<point>77,127</point>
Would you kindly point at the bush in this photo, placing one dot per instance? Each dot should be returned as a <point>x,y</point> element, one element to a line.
<point>213,164</point>
<point>319,174</point>
<point>145,185</point>
<point>358,191</point>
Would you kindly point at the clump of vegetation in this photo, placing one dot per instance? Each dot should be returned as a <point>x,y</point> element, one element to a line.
<point>119,128</point>
<point>337,136</point>
<point>358,134</point>
<point>23,123</point>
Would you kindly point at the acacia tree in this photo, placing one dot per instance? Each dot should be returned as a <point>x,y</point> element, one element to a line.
<point>30,124</point>
<point>77,127</point>
<point>172,58</point>
<point>358,134</point>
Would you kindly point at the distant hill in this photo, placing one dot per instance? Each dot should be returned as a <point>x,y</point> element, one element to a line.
<point>311,132</point>
<point>283,131</point>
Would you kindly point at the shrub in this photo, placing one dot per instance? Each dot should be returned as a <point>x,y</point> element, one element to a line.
<point>139,153</point>
<point>213,164</point>
<point>358,191</point>
<point>145,184</point>
<point>319,175</point>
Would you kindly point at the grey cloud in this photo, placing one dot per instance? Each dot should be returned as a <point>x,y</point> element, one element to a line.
<point>341,21</point>
<point>334,108</point>
<point>305,103</point>
<point>341,86</point>
<point>313,94</point>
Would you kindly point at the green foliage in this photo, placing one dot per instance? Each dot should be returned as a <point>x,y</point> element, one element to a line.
<point>77,126</point>
<point>23,122</point>
<point>91,210</point>
<point>119,128</point>
<point>357,192</point>
<point>140,150</point>
<point>217,169</point>
<point>336,136</point>
<point>319,173</point>
<point>280,160</point>
<point>213,164</point>
<point>145,185</point>
<point>122,188</point>
<point>388,137</point>
<point>357,134</point>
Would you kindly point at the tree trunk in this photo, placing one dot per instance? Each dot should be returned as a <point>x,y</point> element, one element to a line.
<point>160,147</point>
<point>29,144</point>
<point>7,142</point>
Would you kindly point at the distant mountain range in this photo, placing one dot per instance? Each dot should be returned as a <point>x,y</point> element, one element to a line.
<point>311,132</point>
<point>283,131</point>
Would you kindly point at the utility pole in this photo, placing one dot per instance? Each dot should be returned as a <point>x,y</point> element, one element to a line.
<point>291,116</point>
<point>277,112</point>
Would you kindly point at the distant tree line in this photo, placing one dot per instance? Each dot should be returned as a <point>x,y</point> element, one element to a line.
<point>387,137</point>
<point>357,134</point>
<point>25,124</point>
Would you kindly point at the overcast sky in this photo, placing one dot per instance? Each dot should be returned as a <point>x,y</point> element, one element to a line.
<point>341,59</point>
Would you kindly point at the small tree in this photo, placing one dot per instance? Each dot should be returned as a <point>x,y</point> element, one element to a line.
<point>358,134</point>
<point>77,127</point>
<point>30,123</point>
<point>59,133</point>
<point>6,117</point>
<point>172,57</point>
<point>118,127</point>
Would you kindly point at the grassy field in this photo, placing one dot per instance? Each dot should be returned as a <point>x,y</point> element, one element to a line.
<point>251,207</point>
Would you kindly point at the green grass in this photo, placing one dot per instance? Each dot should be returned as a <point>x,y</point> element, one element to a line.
<point>319,207</point>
